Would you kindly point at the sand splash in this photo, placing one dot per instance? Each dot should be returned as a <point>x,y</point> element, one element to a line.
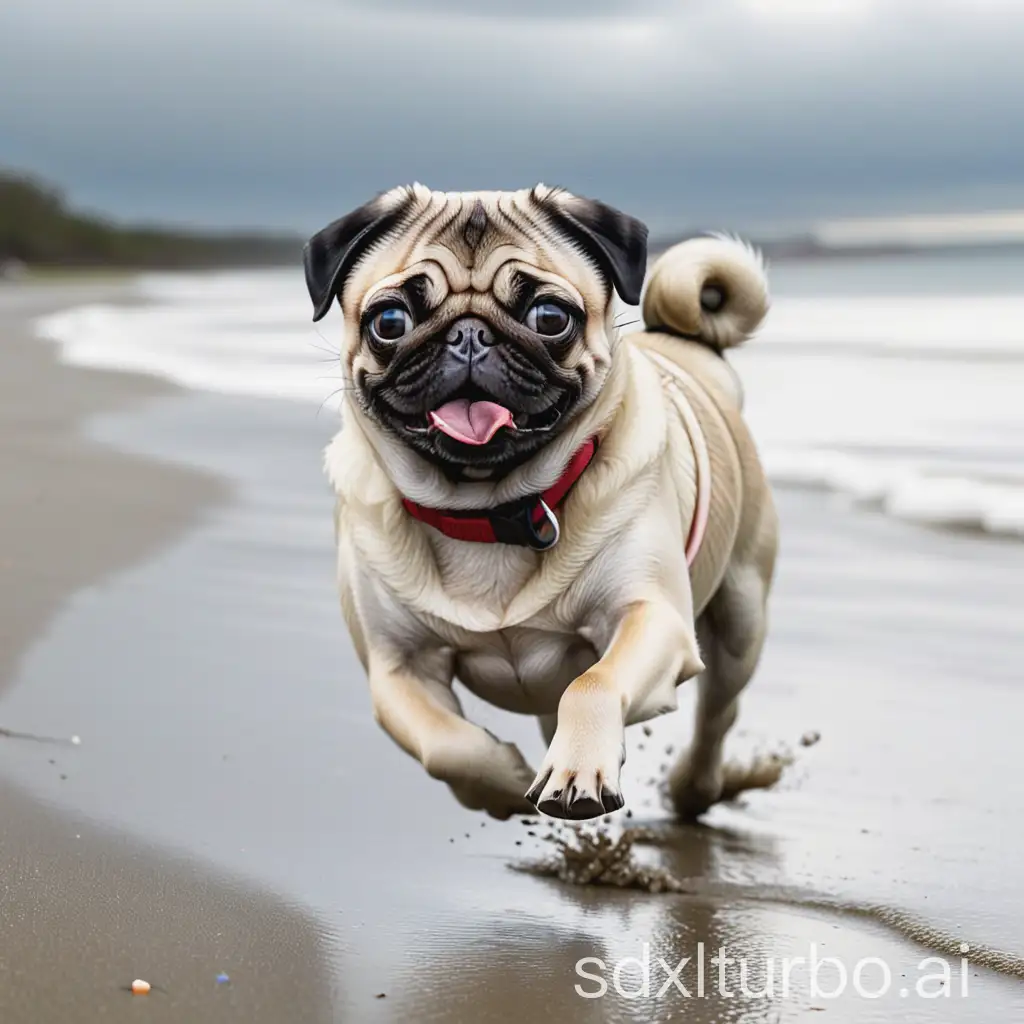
<point>762,771</point>
<point>599,859</point>
<point>595,855</point>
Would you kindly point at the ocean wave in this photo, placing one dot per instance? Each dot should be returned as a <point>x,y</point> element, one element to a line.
<point>926,325</point>
<point>231,335</point>
<point>909,436</point>
<point>905,492</point>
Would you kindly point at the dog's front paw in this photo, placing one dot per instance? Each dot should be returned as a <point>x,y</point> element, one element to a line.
<point>579,780</point>
<point>499,804</point>
<point>493,783</point>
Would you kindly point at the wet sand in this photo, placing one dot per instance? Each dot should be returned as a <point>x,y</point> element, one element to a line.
<point>228,748</point>
<point>86,909</point>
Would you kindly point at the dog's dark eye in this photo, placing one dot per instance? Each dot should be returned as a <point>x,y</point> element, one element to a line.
<point>549,320</point>
<point>391,324</point>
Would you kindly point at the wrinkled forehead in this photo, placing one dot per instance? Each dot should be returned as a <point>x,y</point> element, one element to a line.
<point>466,242</point>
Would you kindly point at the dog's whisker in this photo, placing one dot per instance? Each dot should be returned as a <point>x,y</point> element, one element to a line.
<point>333,394</point>
<point>327,341</point>
<point>331,356</point>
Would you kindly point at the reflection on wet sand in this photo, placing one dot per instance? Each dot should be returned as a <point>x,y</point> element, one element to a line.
<point>723,952</point>
<point>676,844</point>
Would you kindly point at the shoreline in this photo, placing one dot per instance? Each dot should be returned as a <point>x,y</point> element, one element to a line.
<point>122,508</point>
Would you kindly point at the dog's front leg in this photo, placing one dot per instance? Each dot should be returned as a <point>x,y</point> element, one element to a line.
<point>652,650</point>
<point>422,715</point>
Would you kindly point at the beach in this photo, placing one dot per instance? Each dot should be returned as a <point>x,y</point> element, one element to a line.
<point>230,809</point>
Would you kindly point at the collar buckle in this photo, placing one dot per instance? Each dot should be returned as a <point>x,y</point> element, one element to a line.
<point>528,524</point>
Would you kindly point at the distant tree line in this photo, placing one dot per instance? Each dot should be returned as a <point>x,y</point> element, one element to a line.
<point>38,228</point>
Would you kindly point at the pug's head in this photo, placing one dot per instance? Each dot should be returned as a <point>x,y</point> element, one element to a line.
<point>478,325</point>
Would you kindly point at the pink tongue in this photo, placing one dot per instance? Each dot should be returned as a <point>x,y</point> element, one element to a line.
<point>471,422</point>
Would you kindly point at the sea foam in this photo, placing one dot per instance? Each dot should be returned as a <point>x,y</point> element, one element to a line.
<point>911,403</point>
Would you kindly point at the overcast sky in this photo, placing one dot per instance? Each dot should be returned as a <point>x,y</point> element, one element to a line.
<point>730,113</point>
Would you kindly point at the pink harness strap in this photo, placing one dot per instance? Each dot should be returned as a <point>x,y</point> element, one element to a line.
<point>702,509</point>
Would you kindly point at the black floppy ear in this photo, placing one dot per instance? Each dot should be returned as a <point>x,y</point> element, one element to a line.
<point>616,242</point>
<point>330,256</point>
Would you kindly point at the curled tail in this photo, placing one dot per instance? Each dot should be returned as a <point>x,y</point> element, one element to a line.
<point>713,289</point>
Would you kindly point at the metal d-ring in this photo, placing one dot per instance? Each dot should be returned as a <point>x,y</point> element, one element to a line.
<point>537,542</point>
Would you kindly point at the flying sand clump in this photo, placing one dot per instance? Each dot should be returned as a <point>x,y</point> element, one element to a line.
<point>599,859</point>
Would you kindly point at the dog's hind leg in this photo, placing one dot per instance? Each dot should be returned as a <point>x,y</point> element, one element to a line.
<point>731,634</point>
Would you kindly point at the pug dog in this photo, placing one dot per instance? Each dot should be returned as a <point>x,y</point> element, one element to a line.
<point>569,519</point>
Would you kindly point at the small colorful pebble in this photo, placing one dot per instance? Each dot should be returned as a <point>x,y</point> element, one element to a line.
<point>140,987</point>
<point>222,978</point>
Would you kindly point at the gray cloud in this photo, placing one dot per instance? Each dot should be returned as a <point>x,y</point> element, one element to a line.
<point>512,9</point>
<point>288,112</point>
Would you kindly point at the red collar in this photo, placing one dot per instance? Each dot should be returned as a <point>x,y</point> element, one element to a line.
<point>530,522</point>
